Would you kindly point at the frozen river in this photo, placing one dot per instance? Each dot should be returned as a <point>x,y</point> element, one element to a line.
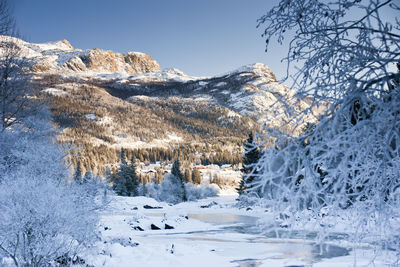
<point>211,232</point>
<point>246,247</point>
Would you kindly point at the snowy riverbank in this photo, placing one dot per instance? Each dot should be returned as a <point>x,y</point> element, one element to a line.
<point>209,232</point>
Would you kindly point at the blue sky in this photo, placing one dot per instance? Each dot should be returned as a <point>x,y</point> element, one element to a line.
<point>204,37</point>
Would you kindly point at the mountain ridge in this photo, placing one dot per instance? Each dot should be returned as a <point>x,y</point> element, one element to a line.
<point>61,56</point>
<point>102,101</point>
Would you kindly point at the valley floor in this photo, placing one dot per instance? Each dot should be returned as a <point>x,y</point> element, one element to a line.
<point>209,232</point>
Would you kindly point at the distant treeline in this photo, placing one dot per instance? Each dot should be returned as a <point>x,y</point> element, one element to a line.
<point>94,158</point>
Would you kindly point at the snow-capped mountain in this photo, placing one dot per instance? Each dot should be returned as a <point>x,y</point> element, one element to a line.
<point>102,99</point>
<point>61,57</point>
<point>247,91</point>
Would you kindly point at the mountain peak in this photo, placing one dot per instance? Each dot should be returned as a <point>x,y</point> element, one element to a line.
<point>61,57</point>
<point>259,69</point>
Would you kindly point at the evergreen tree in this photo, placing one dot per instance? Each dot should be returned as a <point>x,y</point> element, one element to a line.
<point>119,183</point>
<point>131,179</point>
<point>119,180</point>
<point>123,157</point>
<point>125,182</point>
<point>144,189</point>
<point>78,173</point>
<point>176,171</point>
<point>251,156</point>
<point>88,177</point>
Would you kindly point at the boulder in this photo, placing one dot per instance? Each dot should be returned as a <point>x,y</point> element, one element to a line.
<point>154,227</point>
<point>168,227</point>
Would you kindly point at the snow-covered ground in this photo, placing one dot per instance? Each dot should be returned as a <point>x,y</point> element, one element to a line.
<point>209,232</point>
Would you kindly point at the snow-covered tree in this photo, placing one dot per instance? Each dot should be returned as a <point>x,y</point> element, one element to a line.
<point>199,192</point>
<point>42,216</point>
<point>170,189</point>
<point>88,177</point>
<point>345,53</point>
<point>177,172</point>
<point>16,93</point>
<point>78,172</point>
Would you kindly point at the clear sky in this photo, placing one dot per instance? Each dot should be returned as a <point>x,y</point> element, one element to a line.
<point>199,37</point>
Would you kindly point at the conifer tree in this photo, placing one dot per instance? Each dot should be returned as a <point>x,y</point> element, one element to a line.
<point>123,157</point>
<point>88,177</point>
<point>125,182</point>
<point>119,184</point>
<point>144,189</point>
<point>78,172</point>
<point>119,180</point>
<point>250,158</point>
<point>176,171</point>
<point>131,180</point>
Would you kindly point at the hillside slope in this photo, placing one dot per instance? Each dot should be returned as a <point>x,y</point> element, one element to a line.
<point>102,101</point>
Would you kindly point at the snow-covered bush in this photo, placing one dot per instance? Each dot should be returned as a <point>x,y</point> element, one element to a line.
<point>346,163</point>
<point>199,192</point>
<point>170,190</point>
<point>42,215</point>
<point>42,220</point>
<point>151,190</point>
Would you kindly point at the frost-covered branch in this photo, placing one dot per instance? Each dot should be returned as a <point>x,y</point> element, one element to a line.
<point>346,164</point>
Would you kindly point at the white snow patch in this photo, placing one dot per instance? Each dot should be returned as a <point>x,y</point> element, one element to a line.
<point>105,120</point>
<point>232,114</point>
<point>259,69</point>
<point>175,138</point>
<point>225,92</point>
<point>165,75</point>
<point>205,98</point>
<point>54,91</point>
<point>90,116</point>
<point>203,83</point>
<point>221,84</point>
<point>115,75</point>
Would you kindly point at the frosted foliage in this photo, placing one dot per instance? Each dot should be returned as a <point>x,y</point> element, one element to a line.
<point>337,46</point>
<point>41,220</point>
<point>344,169</point>
<point>199,192</point>
<point>42,217</point>
<point>170,190</point>
<point>30,151</point>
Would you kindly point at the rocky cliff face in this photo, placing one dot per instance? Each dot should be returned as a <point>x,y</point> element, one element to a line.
<point>62,57</point>
<point>140,63</point>
<point>106,61</point>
